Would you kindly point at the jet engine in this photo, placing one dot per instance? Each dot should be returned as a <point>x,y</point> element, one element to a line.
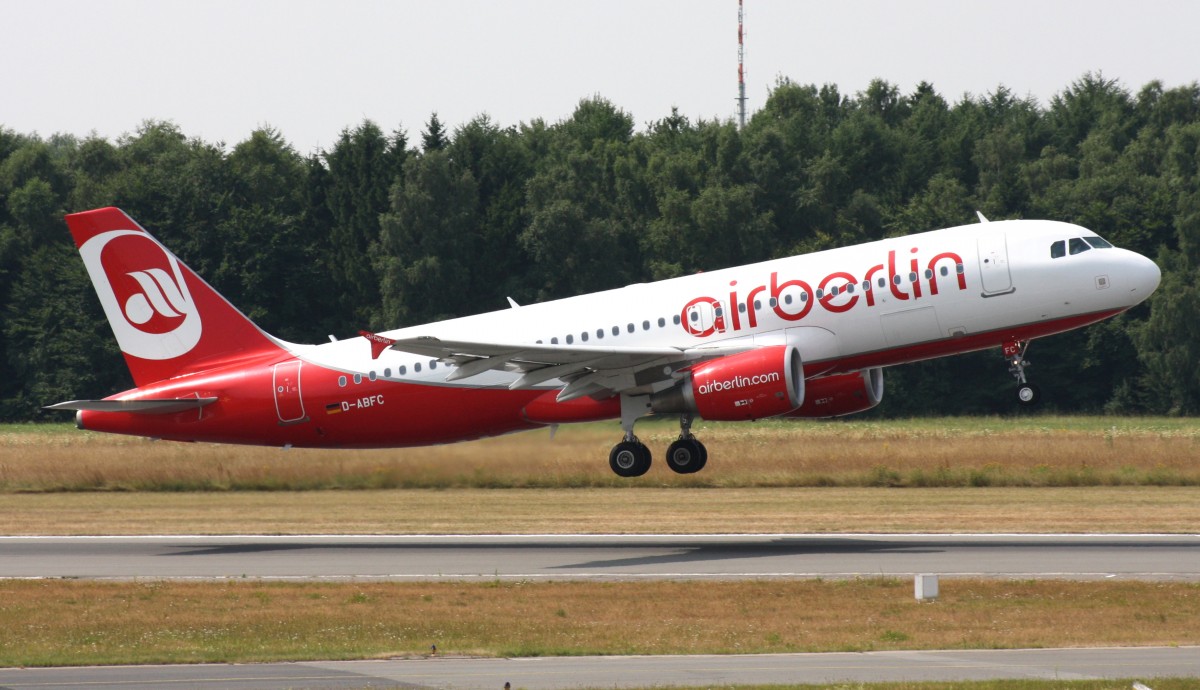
<point>834,396</point>
<point>766,382</point>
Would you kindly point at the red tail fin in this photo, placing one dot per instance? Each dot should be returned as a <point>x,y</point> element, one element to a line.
<point>167,320</point>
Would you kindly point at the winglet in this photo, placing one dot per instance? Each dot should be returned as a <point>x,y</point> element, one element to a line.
<point>378,343</point>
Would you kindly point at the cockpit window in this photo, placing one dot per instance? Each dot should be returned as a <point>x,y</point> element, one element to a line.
<point>1098,242</point>
<point>1058,249</point>
<point>1078,246</point>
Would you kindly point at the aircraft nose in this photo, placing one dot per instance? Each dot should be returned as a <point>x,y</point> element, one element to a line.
<point>1144,277</point>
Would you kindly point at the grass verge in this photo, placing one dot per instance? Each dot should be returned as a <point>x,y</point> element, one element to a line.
<point>951,452</point>
<point>1126,684</point>
<point>54,623</point>
<point>603,511</point>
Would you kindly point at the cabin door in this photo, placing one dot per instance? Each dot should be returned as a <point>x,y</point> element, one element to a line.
<point>286,381</point>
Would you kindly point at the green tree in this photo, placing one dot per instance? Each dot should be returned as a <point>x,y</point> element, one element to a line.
<point>363,166</point>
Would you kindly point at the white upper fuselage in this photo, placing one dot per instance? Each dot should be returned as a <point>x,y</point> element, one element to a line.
<point>934,286</point>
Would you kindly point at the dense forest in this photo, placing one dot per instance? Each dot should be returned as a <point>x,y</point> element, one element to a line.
<point>381,230</point>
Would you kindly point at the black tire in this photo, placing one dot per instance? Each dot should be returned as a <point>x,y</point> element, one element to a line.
<point>629,459</point>
<point>686,456</point>
<point>1028,395</point>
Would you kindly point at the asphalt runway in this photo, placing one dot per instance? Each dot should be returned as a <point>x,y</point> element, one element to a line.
<point>561,557</point>
<point>623,671</point>
<point>630,557</point>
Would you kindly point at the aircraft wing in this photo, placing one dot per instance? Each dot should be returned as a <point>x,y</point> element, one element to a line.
<point>593,371</point>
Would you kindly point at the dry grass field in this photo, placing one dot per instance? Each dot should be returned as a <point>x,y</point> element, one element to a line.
<point>83,623</point>
<point>1029,474</point>
<point>1121,509</point>
<point>978,452</point>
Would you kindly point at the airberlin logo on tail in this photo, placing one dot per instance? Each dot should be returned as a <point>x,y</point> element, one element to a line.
<point>159,296</point>
<point>144,294</point>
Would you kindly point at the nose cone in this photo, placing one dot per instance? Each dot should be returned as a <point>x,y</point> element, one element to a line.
<point>1144,277</point>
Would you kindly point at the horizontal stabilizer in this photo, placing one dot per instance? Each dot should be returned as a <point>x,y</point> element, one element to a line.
<point>144,406</point>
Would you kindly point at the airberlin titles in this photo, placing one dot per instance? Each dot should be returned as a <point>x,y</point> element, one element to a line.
<point>837,292</point>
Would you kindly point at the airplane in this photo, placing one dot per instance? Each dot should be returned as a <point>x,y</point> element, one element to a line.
<point>805,337</point>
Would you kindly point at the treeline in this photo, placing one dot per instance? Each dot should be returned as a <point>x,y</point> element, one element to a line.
<point>381,231</point>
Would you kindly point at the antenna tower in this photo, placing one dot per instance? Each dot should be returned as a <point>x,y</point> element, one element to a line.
<point>741,99</point>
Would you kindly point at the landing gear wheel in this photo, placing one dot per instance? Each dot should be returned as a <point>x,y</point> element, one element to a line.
<point>629,459</point>
<point>1028,394</point>
<point>687,455</point>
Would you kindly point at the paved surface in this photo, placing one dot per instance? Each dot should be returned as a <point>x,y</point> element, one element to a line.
<point>1055,664</point>
<point>1174,557</point>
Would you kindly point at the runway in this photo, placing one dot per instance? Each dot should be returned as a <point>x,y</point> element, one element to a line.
<point>631,557</point>
<point>623,671</point>
<point>627,557</point>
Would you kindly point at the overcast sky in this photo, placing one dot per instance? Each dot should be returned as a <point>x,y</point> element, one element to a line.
<point>309,68</point>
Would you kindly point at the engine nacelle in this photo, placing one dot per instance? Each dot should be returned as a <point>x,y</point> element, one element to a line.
<point>766,382</point>
<point>834,396</point>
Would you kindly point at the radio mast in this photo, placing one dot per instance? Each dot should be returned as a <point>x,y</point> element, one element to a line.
<point>741,99</point>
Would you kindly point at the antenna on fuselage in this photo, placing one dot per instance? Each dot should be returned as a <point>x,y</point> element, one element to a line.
<point>982,218</point>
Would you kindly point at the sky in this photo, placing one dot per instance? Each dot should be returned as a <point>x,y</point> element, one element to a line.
<point>220,69</point>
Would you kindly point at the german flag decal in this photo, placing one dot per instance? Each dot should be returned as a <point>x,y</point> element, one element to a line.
<point>333,408</point>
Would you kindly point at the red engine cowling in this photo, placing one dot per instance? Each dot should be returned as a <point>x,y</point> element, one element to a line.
<point>833,396</point>
<point>751,385</point>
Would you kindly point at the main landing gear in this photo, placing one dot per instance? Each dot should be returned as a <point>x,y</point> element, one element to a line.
<point>631,457</point>
<point>1028,394</point>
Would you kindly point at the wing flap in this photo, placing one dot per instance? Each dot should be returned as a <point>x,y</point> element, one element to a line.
<point>538,363</point>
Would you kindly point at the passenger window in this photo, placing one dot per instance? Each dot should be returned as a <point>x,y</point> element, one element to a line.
<point>695,316</point>
<point>757,305</point>
<point>341,382</point>
<point>882,282</point>
<point>554,340</point>
<point>928,273</point>
<point>599,333</point>
<point>403,370</point>
<point>958,268</point>
<point>850,289</point>
<point>1077,246</point>
<point>742,307</point>
<point>629,328</point>
<point>433,364</point>
<point>583,336</point>
<point>833,291</point>
<point>417,368</point>
<point>645,325</point>
<point>912,277</point>
<point>896,279</point>
<point>820,293</point>
<point>773,302</point>
<point>661,322</point>
<point>677,320</point>
<point>570,339</point>
<point>944,271</point>
<point>866,286</point>
<point>803,296</point>
<point>787,299</point>
<point>358,378</point>
<point>1058,249</point>
<point>371,375</point>
<point>387,373</point>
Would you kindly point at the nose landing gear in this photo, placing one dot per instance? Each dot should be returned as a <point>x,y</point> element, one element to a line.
<point>1028,394</point>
